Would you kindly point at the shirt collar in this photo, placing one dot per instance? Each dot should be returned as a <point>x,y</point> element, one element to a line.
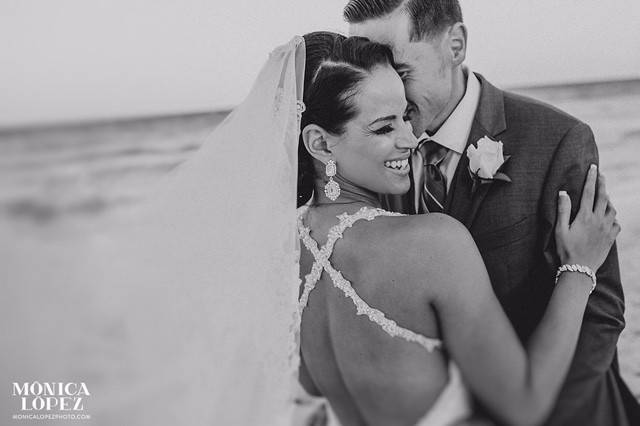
<point>454,132</point>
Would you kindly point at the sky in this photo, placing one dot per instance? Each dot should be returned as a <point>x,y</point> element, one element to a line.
<point>69,60</point>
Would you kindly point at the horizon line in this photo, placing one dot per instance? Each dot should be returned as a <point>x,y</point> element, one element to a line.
<point>91,121</point>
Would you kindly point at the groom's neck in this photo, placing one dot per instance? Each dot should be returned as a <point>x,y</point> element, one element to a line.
<point>458,89</point>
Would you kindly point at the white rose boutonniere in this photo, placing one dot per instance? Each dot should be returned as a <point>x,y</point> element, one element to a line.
<point>485,162</point>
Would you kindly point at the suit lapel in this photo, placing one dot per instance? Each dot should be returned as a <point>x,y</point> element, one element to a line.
<point>488,121</point>
<point>461,203</point>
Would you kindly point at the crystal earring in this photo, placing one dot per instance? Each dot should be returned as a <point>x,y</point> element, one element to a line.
<point>331,189</point>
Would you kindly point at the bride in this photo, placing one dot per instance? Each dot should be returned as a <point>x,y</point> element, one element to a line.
<point>224,305</point>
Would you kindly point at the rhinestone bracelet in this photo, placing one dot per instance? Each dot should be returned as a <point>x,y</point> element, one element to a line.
<point>578,268</point>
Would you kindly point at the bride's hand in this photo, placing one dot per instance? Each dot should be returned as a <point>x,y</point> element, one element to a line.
<point>588,239</point>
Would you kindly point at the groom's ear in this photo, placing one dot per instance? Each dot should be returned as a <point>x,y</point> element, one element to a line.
<point>458,42</point>
<point>315,139</point>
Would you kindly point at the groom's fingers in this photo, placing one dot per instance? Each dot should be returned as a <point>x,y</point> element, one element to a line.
<point>564,212</point>
<point>602,198</point>
<point>610,214</point>
<point>589,191</point>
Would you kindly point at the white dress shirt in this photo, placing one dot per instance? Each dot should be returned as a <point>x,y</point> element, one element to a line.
<point>454,132</point>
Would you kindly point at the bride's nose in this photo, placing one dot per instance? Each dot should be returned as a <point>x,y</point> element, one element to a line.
<point>407,139</point>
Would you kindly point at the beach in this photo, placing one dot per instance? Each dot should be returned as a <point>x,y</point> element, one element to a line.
<point>62,186</point>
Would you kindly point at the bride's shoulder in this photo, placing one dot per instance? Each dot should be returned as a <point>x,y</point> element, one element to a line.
<point>438,237</point>
<point>421,251</point>
<point>425,230</point>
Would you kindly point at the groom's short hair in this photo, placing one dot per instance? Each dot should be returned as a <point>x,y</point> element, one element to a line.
<point>429,17</point>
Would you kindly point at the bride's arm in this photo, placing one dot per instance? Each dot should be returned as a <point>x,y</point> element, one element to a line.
<point>519,384</point>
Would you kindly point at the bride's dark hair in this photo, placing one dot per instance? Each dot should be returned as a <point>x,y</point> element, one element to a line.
<point>334,67</point>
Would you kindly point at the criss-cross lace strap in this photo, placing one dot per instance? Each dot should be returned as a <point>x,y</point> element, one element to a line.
<point>322,255</point>
<point>312,278</point>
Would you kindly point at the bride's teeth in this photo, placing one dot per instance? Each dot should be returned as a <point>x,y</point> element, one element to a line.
<point>397,164</point>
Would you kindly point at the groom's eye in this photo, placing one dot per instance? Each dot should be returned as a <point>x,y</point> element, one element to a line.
<point>407,114</point>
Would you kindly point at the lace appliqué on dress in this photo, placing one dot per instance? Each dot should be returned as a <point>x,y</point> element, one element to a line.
<point>322,263</point>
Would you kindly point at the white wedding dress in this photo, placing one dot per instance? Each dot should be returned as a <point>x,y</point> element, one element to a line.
<point>452,406</point>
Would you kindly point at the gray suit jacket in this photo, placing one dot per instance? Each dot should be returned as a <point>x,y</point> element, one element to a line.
<point>513,223</point>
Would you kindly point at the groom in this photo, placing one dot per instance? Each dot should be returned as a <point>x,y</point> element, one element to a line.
<point>509,206</point>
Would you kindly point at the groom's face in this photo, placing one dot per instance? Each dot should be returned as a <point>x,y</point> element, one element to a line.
<point>425,66</point>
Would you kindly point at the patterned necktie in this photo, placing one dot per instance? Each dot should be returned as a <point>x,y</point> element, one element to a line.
<point>432,183</point>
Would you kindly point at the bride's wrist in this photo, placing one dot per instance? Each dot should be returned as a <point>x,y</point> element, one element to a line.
<point>576,260</point>
<point>577,268</point>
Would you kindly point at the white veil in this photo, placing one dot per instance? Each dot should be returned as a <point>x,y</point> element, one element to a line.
<point>186,317</point>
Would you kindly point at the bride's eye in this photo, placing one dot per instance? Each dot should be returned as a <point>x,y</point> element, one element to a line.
<point>384,130</point>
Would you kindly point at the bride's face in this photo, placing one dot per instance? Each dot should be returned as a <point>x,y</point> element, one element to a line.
<point>374,150</point>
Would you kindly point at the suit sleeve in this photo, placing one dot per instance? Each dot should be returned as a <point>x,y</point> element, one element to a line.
<point>589,379</point>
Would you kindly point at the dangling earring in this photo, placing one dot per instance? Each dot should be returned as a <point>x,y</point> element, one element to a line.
<point>331,189</point>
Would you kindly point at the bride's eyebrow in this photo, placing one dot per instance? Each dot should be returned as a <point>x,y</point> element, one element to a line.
<point>387,118</point>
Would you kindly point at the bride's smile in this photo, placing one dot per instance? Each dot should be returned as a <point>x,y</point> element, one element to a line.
<point>399,165</point>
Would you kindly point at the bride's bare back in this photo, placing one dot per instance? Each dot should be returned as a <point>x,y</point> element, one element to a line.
<point>369,376</point>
